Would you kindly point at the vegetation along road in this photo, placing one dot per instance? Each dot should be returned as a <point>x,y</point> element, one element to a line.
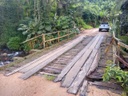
<point>54,48</point>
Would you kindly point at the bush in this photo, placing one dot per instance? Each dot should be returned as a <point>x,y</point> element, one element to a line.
<point>14,43</point>
<point>81,24</point>
<point>115,73</point>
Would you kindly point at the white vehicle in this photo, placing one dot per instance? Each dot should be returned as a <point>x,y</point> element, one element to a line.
<point>104,27</point>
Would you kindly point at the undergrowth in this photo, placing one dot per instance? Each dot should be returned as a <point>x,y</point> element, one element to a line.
<point>50,78</point>
<point>112,72</point>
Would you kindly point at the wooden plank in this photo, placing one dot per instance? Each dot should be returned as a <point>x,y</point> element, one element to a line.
<point>31,39</point>
<point>123,45</point>
<point>39,36</point>
<point>95,63</point>
<point>49,60</point>
<point>59,37</point>
<point>36,61</point>
<point>40,59</point>
<point>43,59</point>
<point>51,39</point>
<point>122,61</point>
<point>73,61</point>
<point>82,74</point>
<point>84,88</point>
<point>77,67</point>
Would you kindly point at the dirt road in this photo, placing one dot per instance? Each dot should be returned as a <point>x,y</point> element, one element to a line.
<point>39,86</point>
<point>35,86</point>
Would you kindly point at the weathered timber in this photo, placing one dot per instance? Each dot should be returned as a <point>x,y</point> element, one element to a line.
<point>106,84</point>
<point>43,39</point>
<point>73,61</point>
<point>94,77</point>
<point>84,88</point>
<point>95,63</point>
<point>123,45</point>
<point>43,58</point>
<point>50,59</point>
<point>82,74</point>
<point>37,61</point>
<point>76,68</point>
<point>122,61</point>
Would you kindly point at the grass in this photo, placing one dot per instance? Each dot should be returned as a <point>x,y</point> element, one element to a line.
<point>50,78</point>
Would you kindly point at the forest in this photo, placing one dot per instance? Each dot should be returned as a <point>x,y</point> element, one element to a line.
<point>30,20</point>
<point>24,19</point>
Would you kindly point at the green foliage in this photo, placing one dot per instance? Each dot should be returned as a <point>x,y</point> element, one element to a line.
<point>64,22</point>
<point>26,48</point>
<point>14,43</point>
<point>124,39</point>
<point>30,30</point>
<point>120,76</point>
<point>11,14</point>
<point>96,11</point>
<point>50,78</point>
<point>34,17</point>
<point>82,24</point>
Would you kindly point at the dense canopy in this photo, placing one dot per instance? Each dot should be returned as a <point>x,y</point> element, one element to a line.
<point>24,19</point>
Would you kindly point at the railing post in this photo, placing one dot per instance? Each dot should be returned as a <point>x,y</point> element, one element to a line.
<point>30,44</point>
<point>68,33</point>
<point>58,33</point>
<point>43,40</point>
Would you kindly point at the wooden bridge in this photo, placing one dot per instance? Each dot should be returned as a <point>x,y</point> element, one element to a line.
<point>71,63</point>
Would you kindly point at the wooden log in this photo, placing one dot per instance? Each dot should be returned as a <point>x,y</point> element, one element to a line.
<point>123,45</point>
<point>107,84</point>
<point>50,59</point>
<point>77,67</point>
<point>84,88</point>
<point>122,61</point>
<point>44,57</point>
<point>31,39</point>
<point>82,74</point>
<point>74,60</point>
<point>52,39</point>
<point>93,77</point>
